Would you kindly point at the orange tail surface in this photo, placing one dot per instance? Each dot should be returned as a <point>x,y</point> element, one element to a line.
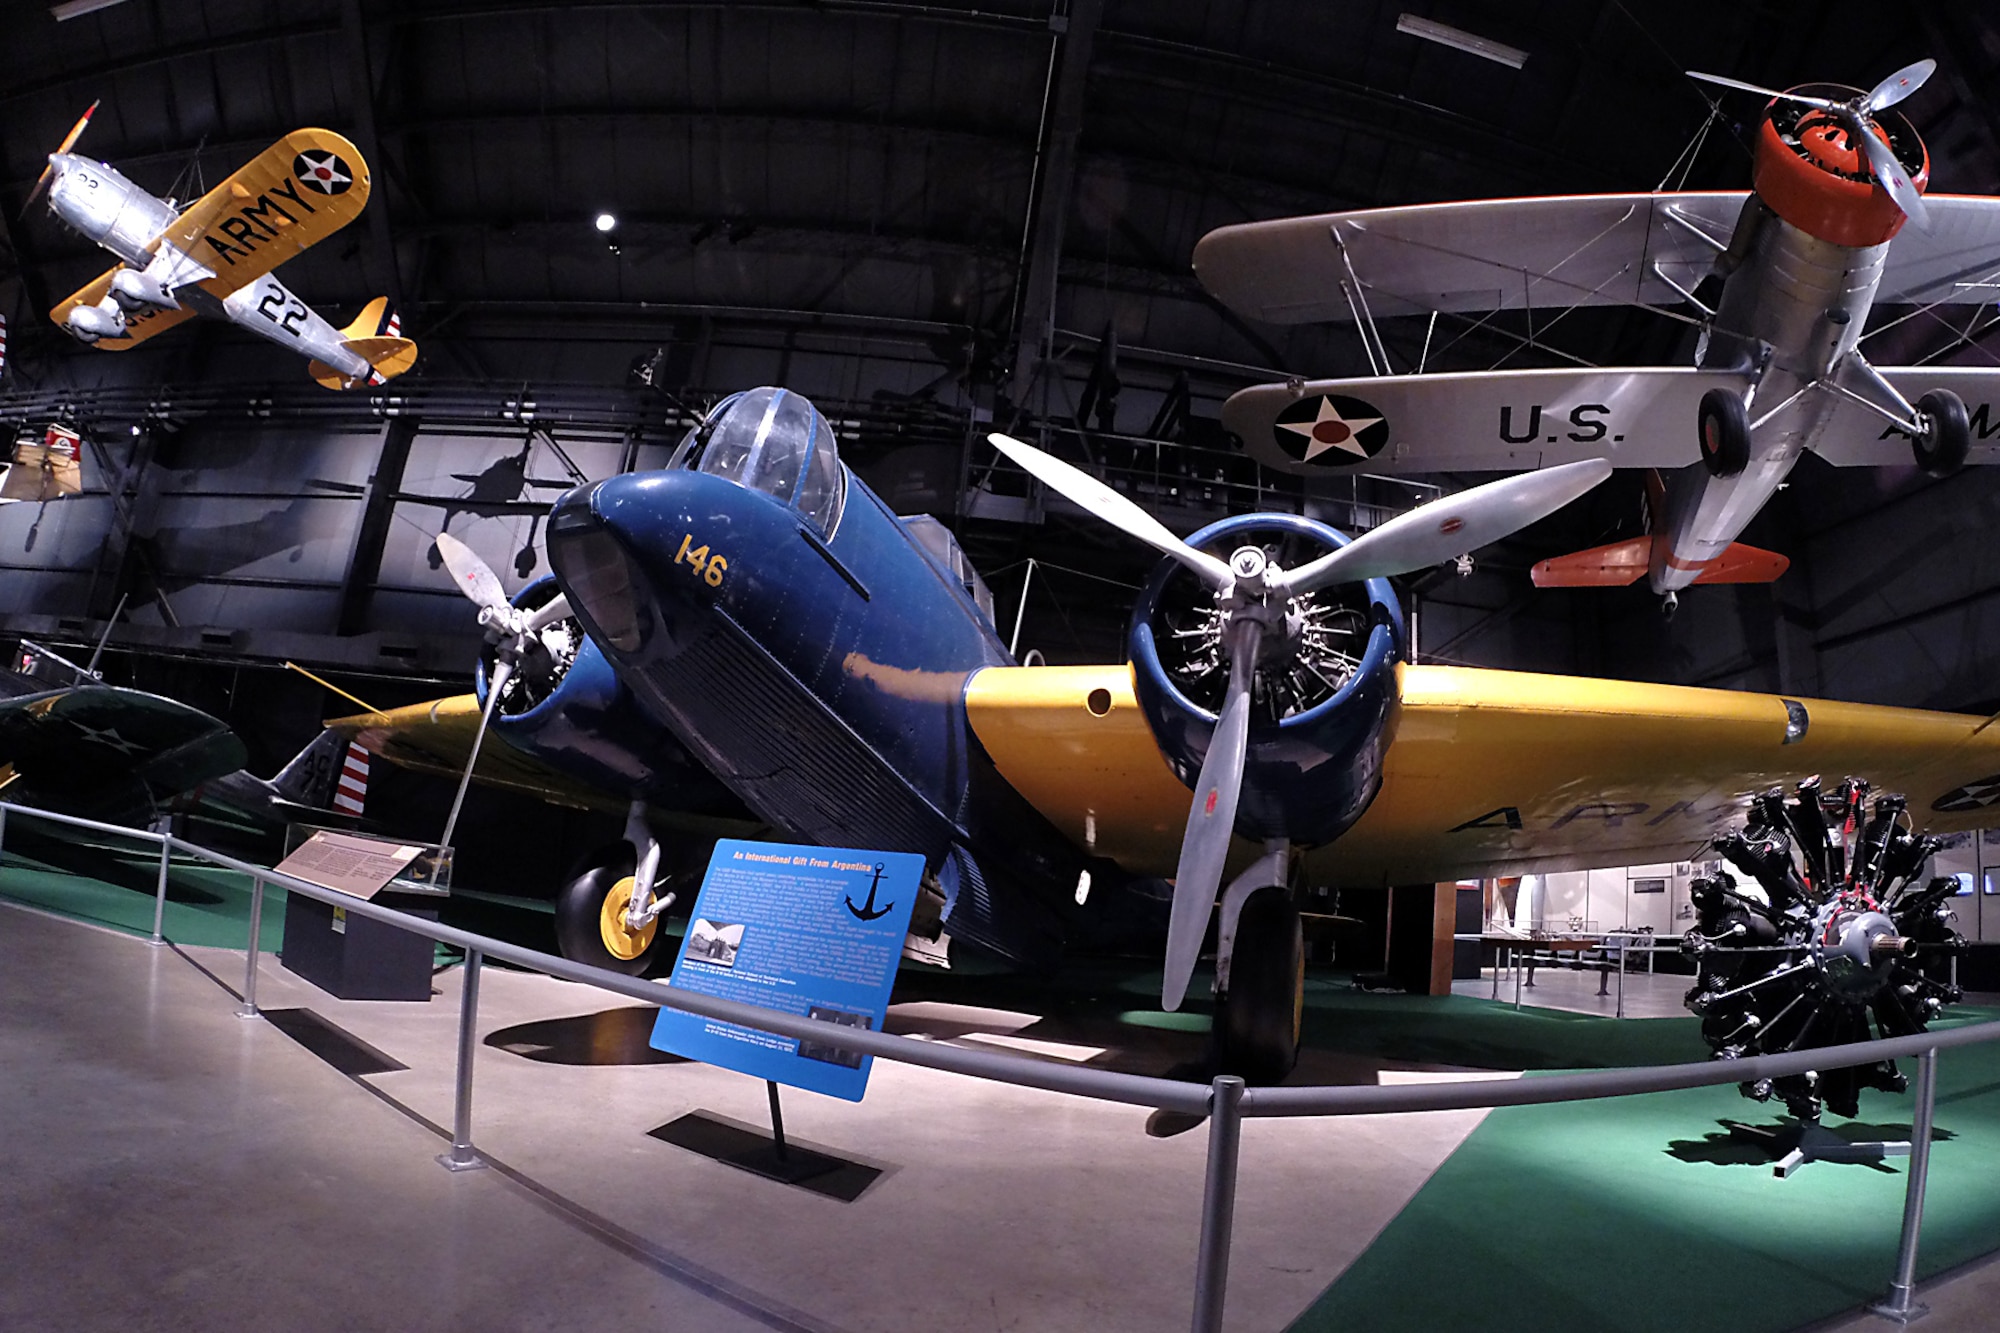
<point>1625,562</point>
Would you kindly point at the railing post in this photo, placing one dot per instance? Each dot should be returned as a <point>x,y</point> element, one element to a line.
<point>1218,1202</point>
<point>1901,1303</point>
<point>248,1009</point>
<point>160,894</point>
<point>462,1156</point>
<point>3,832</point>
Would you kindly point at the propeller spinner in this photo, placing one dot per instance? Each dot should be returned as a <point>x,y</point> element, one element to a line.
<point>1255,595</point>
<point>1857,115</point>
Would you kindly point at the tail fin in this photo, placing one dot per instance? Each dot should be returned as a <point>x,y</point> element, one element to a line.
<point>372,320</point>
<point>1624,562</point>
<point>331,773</point>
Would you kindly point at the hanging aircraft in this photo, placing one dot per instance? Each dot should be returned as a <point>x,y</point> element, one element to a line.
<point>754,622</point>
<point>1801,259</point>
<point>215,256</point>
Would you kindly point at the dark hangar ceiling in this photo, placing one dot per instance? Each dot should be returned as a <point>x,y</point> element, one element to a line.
<point>933,215</point>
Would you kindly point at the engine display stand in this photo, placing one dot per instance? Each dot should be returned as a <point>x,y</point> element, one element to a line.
<point>772,1158</point>
<point>1802,1142</point>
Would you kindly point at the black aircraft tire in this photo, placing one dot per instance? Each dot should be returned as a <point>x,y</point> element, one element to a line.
<point>580,910</point>
<point>1723,430</point>
<point>1944,448</point>
<point>1256,1031</point>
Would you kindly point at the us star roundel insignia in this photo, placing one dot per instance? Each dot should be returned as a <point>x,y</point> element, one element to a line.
<point>1329,430</point>
<point>323,171</point>
<point>1972,796</point>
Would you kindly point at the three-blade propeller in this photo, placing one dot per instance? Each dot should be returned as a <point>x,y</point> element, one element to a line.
<point>1858,116</point>
<point>1254,597</point>
<point>508,628</point>
<point>49,171</point>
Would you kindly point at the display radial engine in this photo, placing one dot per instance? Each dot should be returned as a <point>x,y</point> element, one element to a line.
<point>1832,931</point>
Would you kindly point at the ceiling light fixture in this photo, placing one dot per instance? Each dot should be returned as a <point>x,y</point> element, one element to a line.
<point>605,222</point>
<point>1460,40</point>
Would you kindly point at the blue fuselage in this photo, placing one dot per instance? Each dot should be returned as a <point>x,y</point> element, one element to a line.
<point>821,678</point>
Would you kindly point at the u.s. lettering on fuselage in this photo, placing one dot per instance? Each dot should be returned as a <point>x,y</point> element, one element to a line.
<point>251,226</point>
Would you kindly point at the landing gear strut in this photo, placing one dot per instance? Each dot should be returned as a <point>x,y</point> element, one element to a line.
<point>607,915</point>
<point>1260,973</point>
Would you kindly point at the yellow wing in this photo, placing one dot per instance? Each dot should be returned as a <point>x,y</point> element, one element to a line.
<point>139,325</point>
<point>297,192</point>
<point>437,738</point>
<point>1495,772</point>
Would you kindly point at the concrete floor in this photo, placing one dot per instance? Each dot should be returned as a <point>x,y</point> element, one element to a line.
<point>170,1165</point>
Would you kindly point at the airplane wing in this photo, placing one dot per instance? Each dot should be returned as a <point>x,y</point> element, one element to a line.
<point>437,737</point>
<point>139,324</point>
<point>1472,421</point>
<point>1957,262</point>
<point>101,750</point>
<point>1489,254</point>
<point>1853,436</point>
<point>1495,772</point>
<point>297,192</point>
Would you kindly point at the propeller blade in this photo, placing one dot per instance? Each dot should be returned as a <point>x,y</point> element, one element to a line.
<point>1449,526</point>
<point>1741,86</point>
<point>1211,824</point>
<point>41,183</point>
<point>1891,176</point>
<point>1897,86</point>
<point>475,579</point>
<point>1095,497</point>
<point>76,130</point>
<point>547,614</point>
<point>503,668</point>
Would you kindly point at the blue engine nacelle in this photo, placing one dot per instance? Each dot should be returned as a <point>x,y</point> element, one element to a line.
<point>1323,704</point>
<point>566,706</point>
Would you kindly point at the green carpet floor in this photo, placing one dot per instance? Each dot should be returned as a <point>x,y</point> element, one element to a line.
<point>1640,1213</point>
<point>206,905</point>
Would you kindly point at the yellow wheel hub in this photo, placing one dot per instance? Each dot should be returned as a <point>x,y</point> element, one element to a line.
<point>621,940</point>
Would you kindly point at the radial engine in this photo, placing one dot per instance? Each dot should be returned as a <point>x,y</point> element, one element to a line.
<point>1831,940</point>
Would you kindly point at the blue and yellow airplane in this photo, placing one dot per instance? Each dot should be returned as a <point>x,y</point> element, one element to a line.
<point>750,636</point>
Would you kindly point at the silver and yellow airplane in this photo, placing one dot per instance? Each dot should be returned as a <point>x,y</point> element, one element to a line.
<point>215,257</point>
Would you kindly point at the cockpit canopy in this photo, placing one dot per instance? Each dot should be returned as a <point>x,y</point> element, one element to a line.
<point>775,441</point>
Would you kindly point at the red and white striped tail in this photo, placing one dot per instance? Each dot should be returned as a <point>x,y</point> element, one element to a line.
<point>391,328</point>
<point>3,344</point>
<point>352,789</point>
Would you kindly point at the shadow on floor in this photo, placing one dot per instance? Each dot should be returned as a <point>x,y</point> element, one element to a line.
<point>608,1037</point>
<point>1719,1147</point>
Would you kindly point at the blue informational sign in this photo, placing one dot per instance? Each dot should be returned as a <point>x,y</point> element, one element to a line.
<point>804,930</point>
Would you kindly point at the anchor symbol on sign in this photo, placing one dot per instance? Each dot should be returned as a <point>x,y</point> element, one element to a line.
<point>869,911</point>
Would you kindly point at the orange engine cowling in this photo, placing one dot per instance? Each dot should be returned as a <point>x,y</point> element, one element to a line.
<point>1815,177</point>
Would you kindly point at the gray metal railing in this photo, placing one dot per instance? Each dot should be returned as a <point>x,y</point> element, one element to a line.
<point>1224,1102</point>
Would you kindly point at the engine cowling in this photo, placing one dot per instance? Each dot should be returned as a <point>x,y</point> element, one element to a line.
<point>1813,176</point>
<point>1324,704</point>
<point>566,706</point>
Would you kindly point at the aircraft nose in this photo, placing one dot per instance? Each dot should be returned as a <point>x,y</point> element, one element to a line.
<point>595,568</point>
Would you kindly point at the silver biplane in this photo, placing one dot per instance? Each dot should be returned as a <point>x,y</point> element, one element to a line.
<point>215,256</point>
<point>1802,259</point>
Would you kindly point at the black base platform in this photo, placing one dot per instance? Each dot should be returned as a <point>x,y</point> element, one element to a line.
<point>759,1154</point>
<point>354,958</point>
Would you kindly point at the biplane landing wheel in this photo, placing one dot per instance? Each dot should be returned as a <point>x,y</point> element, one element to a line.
<point>1257,1020</point>
<point>1725,433</point>
<point>1942,449</point>
<point>589,916</point>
